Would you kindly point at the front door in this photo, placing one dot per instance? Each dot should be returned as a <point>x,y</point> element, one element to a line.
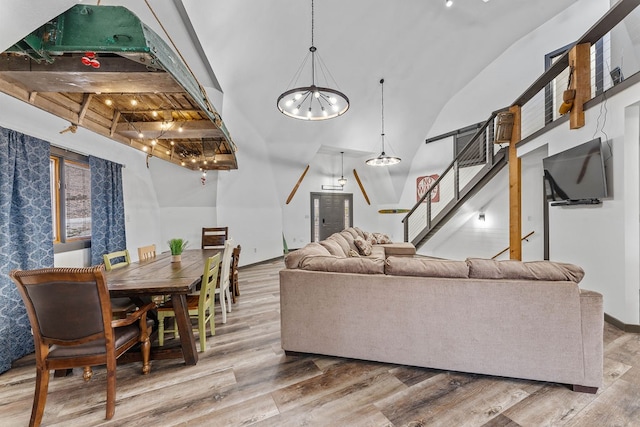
<point>330,213</point>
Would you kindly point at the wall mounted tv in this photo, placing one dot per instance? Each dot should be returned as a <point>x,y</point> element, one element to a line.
<point>576,176</point>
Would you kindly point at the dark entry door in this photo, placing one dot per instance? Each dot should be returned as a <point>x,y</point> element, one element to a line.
<point>330,213</point>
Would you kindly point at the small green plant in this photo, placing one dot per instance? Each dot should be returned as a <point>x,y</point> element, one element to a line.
<point>177,246</point>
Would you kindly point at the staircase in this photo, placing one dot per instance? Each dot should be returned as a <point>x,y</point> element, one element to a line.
<point>474,166</point>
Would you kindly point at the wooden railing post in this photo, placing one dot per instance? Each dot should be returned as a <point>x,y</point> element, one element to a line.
<point>515,188</point>
<point>580,60</point>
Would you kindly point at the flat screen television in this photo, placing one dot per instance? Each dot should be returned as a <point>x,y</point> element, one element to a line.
<point>576,176</point>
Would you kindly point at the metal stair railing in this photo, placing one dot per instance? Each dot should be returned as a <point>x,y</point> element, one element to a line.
<point>472,168</point>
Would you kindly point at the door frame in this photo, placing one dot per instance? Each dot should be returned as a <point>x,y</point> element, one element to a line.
<point>318,195</point>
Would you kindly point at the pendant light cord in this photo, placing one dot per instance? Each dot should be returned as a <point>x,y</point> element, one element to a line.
<point>312,20</point>
<point>382,113</point>
<point>313,48</point>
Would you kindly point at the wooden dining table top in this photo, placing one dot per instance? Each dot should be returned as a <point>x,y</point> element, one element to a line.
<point>159,275</point>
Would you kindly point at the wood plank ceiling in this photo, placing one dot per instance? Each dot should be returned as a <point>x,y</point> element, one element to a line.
<point>131,97</point>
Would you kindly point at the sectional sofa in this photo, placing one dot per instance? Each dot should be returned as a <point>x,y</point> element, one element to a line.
<point>527,320</point>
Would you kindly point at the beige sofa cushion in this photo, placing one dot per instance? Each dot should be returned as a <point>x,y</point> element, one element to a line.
<point>425,267</point>
<point>333,247</point>
<point>293,258</point>
<point>350,240</point>
<point>359,231</point>
<point>337,237</point>
<point>514,269</point>
<point>343,265</point>
<point>353,232</point>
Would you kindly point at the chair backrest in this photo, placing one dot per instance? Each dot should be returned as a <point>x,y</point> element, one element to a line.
<point>226,264</point>
<point>235,259</point>
<point>146,252</point>
<point>209,282</point>
<point>117,259</point>
<point>66,306</point>
<point>214,237</point>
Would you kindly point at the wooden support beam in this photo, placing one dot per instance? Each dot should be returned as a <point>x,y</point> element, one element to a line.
<point>85,106</point>
<point>295,188</point>
<point>515,188</point>
<point>580,60</point>
<point>364,193</point>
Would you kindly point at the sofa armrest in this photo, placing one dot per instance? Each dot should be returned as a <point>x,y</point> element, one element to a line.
<point>592,312</point>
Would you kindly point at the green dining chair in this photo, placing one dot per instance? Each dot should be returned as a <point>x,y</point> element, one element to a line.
<point>200,305</point>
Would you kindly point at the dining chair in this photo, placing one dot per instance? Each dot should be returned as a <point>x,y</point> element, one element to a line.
<point>233,279</point>
<point>214,237</point>
<point>120,305</point>
<point>70,314</point>
<point>200,306</point>
<point>146,252</point>
<point>117,259</point>
<point>223,289</point>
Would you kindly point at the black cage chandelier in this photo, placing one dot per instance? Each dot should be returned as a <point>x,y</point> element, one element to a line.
<point>313,102</point>
<point>383,159</point>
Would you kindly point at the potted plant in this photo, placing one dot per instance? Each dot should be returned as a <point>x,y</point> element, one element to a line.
<point>177,246</point>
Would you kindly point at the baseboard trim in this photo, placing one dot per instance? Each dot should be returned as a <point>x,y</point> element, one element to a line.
<point>266,261</point>
<point>635,329</point>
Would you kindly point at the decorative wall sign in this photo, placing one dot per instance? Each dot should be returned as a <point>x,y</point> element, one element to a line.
<point>422,185</point>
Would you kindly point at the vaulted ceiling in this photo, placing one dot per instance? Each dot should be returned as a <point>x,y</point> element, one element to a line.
<point>250,50</point>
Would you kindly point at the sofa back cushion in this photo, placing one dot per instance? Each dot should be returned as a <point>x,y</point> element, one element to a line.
<point>426,267</point>
<point>514,269</point>
<point>333,247</point>
<point>293,258</point>
<point>352,231</point>
<point>344,244</point>
<point>350,240</point>
<point>343,265</point>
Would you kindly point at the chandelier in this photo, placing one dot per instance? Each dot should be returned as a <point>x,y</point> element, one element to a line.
<point>383,159</point>
<point>313,102</point>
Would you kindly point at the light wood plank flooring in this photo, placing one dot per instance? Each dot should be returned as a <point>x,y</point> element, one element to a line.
<point>244,379</point>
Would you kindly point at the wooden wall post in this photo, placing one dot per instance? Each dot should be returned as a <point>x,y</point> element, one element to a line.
<point>580,59</point>
<point>515,188</point>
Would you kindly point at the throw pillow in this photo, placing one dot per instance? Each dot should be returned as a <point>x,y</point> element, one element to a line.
<point>353,253</point>
<point>381,238</point>
<point>364,247</point>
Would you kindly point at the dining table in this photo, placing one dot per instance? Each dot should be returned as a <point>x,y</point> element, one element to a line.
<point>162,276</point>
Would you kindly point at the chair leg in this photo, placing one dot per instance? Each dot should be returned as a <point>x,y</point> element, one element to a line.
<point>40,396</point>
<point>202,332</point>
<point>223,306</point>
<point>145,349</point>
<point>228,294</point>
<point>212,321</point>
<point>87,373</point>
<point>160,329</point>
<point>111,390</point>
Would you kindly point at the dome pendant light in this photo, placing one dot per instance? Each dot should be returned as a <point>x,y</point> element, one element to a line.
<point>383,159</point>
<point>313,102</point>
<point>342,181</point>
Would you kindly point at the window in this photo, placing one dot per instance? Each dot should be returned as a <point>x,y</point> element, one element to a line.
<point>70,200</point>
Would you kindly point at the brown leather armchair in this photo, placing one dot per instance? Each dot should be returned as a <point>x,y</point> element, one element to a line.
<point>70,314</point>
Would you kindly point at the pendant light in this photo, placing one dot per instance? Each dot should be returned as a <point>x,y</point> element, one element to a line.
<point>313,102</point>
<point>342,181</point>
<point>383,159</point>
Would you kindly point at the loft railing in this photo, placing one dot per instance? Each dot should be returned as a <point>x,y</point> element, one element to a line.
<point>539,108</point>
<point>472,164</point>
<point>524,238</point>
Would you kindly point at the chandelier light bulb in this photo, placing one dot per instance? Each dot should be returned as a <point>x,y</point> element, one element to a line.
<point>316,94</point>
<point>140,135</point>
<point>134,102</point>
<point>448,3</point>
<point>289,103</point>
<point>108,102</point>
<point>145,148</point>
<point>154,141</point>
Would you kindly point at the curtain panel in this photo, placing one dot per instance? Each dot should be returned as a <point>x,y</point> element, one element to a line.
<point>107,209</point>
<point>26,237</point>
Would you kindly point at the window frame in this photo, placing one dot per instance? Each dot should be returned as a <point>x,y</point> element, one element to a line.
<point>62,244</point>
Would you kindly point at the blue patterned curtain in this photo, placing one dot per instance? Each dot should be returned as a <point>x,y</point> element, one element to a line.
<point>107,209</point>
<point>26,237</point>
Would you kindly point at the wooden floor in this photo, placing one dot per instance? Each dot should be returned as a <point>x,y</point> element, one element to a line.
<point>245,379</point>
